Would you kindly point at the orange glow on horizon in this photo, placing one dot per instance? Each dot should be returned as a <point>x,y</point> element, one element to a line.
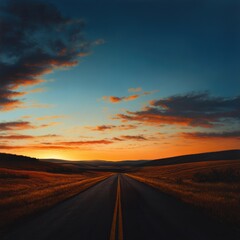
<point>154,151</point>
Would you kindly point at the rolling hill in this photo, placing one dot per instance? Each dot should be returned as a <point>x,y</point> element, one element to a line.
<point>17,162</point>
<point>200,157</point>
<point>63,166</point>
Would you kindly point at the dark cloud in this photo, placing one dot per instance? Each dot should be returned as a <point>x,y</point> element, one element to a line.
<point>210,135</point>
<point>49,136</point>
<point>22,125</point>
<point>130,137</point>
<point>102,127</point>
<point>17,125</point>
<point>16,137</point>
<point>112,127</point>
<point>80,143</point>
<point>117,139</point>
<point>35,39</point>
<point>23,137</point>
<point>126,127</point>
<point>194,109</point>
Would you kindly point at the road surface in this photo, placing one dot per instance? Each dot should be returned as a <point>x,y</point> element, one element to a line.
<point>121,208</point>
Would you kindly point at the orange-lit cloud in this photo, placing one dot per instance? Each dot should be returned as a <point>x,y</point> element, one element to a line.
<point>131,97</point>
<point>49,117</point>
<point>22,137</point>
<point>37,105</point>
<point>16,137</point>
<point>80,143</point>
<point>56,145</point>
<point>8,101</point>
<point>17,125</point>
<point>130,137</point>
<point>115,99</point>
<point>35,147</point>
<point>23,125</point>
<point>10,147</point>
<point>194,109</point>
<point>48,124</point>
<point>36,90</point>
<point>26,117</point>
<point>152,118</point>
<point>117,139</point>
<point>10,104</point>
<point>51,51</point>
<point>136,138</point>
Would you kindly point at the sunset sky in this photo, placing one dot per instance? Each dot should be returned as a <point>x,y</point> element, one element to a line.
<point>120,79</point>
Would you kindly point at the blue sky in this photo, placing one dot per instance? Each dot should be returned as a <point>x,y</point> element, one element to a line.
<point>166,48</point>
<point>171,46</point>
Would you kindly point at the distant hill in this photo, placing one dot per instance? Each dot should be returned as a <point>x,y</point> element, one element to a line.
<point>63,166</point>
<point>209,156</point>
<point>98,163</point>
<point>13,158</point>
<point>18,162</point>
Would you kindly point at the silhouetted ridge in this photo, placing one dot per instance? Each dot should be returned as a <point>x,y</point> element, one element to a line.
<point>200,157</point>
<point>18,162</point>
<point>16,158</point>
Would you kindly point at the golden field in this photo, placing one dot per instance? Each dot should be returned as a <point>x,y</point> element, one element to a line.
<point>213,186</point>
<point>23,193</point>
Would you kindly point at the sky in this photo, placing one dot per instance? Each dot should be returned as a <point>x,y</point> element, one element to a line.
<point>120,79</point>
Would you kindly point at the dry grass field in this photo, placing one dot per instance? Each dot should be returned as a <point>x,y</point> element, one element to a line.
<point>212,186</point>
<point>23,193</point>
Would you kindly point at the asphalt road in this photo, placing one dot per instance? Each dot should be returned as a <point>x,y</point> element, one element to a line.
<point>120,208</point>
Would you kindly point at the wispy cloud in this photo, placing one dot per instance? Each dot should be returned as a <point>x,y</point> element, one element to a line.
<point>34,147</point>
<point>112,127</point>
<point>24,137</point>
<point>37,90</point>
<point>80,143</point>
<point>23,59</point>
<point>115,99</point>
<point>22,125</point>
<point>16,137</point>
<point>17,125</point>
<point>135,138</point>
<point>138,89</point>
<point>36,105</point>
<point>57,145</point>
<point>193,109</point>
<point>50,124</point>
<point>130,137</point>
<point>26,117</point>
<point>50,117</point>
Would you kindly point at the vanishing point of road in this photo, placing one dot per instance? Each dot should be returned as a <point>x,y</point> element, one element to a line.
<point>121,208</point>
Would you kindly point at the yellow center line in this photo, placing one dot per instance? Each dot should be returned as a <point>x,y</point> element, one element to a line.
<point>120,226</point>
<point>117,212</point>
